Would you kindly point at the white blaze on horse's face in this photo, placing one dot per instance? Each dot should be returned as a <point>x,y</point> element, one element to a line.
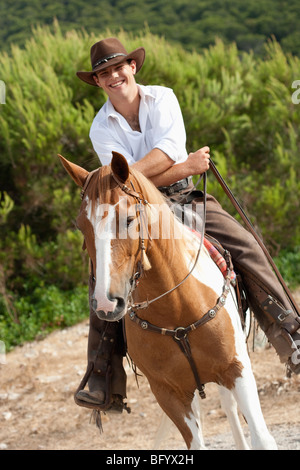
<point>111,282</point>
<point>102,224</point>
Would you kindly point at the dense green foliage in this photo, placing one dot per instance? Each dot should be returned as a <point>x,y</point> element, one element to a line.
<point>238,104</point>
<point>192,23</point>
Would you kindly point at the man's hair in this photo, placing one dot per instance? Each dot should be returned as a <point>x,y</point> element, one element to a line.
<point>95,74</point>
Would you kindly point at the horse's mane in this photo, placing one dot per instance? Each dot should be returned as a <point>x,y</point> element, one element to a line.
<point>102,184</point>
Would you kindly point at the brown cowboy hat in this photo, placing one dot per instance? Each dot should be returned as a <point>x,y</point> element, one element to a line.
<point>109,52</point>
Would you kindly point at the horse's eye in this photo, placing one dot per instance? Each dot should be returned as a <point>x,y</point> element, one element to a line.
<point>129,220</point>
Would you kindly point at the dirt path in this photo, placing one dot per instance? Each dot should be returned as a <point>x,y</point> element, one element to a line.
<point>37,410</point>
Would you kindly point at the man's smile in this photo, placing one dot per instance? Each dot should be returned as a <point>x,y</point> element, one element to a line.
<point>119,83</point>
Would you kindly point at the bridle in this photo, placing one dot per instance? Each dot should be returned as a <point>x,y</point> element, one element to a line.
<point>141,203</point>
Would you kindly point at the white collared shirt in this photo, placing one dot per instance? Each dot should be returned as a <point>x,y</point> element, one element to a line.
<point>161,125</point>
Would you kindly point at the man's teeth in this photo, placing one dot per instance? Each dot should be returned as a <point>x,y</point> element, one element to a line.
<point>116,84</point>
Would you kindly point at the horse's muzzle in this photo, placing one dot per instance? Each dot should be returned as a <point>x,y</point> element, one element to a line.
<point>116,315</point>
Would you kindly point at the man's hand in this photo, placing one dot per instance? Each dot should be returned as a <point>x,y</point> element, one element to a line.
<point>198,162</point>
<point>158,167</point>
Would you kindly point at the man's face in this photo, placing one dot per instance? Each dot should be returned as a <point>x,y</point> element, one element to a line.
<point>118,80</point>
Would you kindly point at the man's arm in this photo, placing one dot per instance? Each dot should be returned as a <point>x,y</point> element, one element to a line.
<point>160,168</point>
<point>155,163</point>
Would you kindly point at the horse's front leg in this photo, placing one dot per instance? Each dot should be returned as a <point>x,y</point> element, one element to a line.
<point>229,405</point>
<point>245,392</point>
<point>185,416</point>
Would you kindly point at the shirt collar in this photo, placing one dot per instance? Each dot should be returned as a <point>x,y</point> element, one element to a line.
<point>144,93</point>
<point>110,110</point>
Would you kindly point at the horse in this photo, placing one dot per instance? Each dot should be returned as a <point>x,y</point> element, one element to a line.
<point>182,326</point>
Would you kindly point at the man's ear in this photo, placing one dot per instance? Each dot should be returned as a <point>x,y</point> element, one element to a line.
<point>96,80</point>
<point>133,66</point>
<point>77,173</point>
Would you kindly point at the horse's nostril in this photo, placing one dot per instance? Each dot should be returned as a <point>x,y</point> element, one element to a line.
<point>93,304</point>
<point>120,303</point>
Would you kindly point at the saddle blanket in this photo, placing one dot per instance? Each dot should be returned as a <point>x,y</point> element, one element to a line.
<point>216,256</point>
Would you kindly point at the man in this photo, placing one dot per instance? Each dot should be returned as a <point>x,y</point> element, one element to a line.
<point>145,124</point>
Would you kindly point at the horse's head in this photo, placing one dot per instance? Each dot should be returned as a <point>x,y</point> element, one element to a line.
<point>111,219</point>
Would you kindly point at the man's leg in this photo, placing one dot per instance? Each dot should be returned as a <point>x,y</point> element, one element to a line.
<point>107,380</point>
<point>266,295</point>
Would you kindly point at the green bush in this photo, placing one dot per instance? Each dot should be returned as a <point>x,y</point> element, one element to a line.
<point>288,264</point>
<point>42,310</point>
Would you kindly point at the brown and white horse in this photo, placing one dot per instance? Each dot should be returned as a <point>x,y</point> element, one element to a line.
<point>136,270</point>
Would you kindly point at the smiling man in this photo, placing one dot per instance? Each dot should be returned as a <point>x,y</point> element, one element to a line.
<point>145,124</point>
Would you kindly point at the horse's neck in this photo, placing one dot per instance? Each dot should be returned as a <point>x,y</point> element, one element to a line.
<point>170,264</point>
<point>167,268</point>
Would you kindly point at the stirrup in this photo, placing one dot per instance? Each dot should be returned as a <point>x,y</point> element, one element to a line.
<point>116,404</point>
<point>107,402</point>
<point>112,403</point>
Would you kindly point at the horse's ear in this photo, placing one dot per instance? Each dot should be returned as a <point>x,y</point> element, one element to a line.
<point>120,167</point>
<point>77,173</point>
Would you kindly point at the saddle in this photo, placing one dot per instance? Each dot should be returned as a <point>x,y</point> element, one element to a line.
<point>216,251</point>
